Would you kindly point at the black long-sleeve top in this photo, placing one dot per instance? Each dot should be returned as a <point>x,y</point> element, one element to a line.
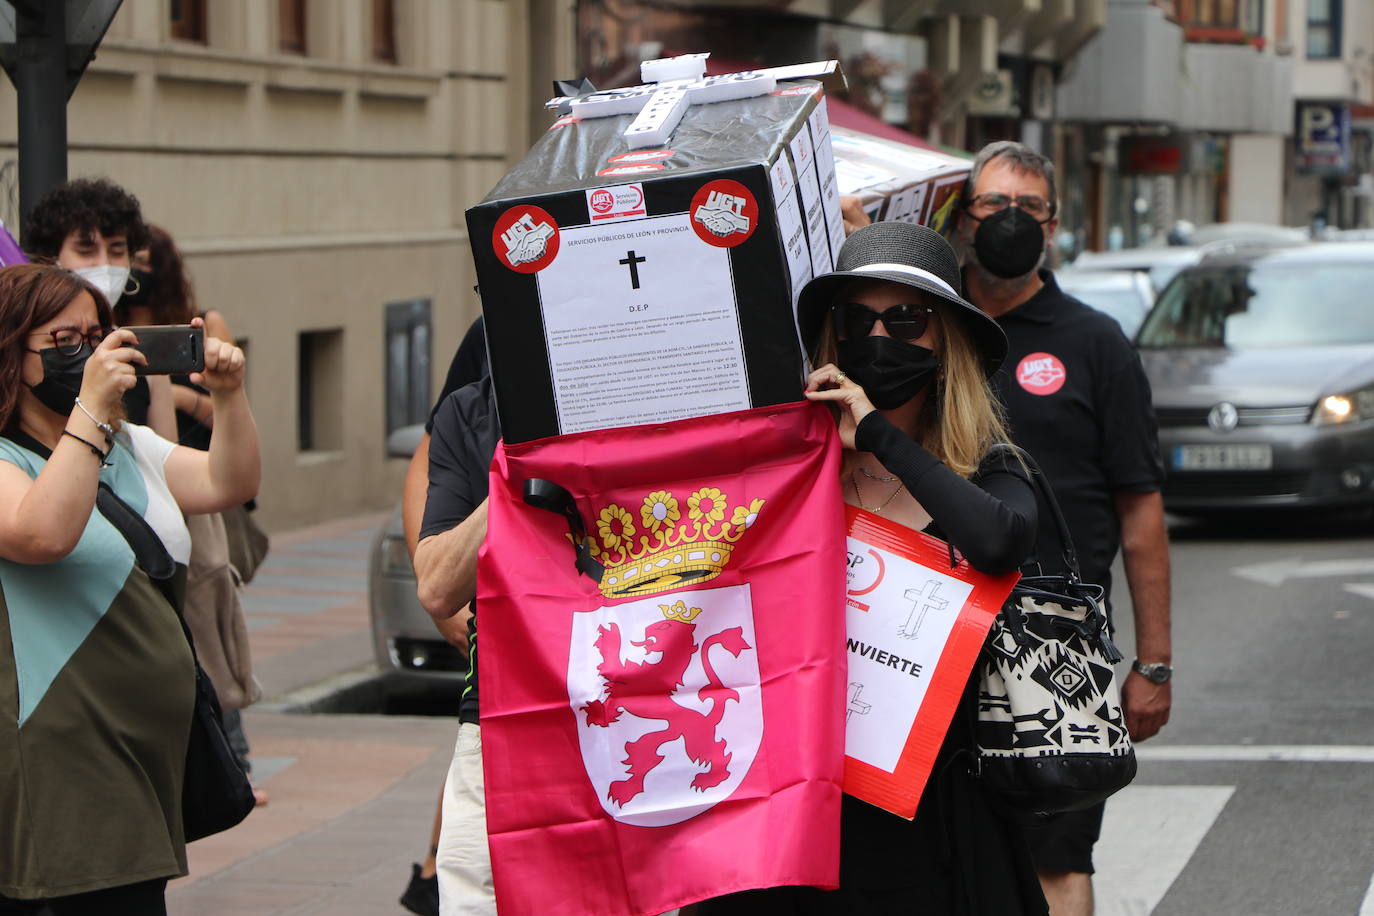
<point>990,518</point>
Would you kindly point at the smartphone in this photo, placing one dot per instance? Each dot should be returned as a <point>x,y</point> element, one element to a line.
<point>171,349</point>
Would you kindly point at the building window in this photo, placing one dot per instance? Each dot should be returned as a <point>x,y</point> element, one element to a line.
<point>186,19</point>
<point>319,415</point>
<point>1208,13</point>
<point>407,363</point>
<point>1323,29</point>
<point>384,31</point>
<point>291,26</point>
<point>1221,21</point>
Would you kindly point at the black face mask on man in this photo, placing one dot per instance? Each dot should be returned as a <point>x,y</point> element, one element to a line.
<point>1009,243</point>
<point>62,377</point>
<point>891,372</point>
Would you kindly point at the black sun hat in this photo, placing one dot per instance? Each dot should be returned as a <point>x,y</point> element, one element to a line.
<point>915,256</point>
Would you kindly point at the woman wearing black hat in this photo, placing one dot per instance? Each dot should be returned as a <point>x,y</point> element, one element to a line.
<point>905,360</point>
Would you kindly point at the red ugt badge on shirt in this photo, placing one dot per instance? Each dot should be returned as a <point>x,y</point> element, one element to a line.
<point>1041,373</point>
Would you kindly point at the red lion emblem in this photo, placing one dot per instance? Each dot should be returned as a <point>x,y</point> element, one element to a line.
<point>645,689</point>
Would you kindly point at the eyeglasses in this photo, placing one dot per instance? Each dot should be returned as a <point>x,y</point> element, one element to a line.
<point>1032,204</point>
<point>904,322</point>
<point>68,341</point>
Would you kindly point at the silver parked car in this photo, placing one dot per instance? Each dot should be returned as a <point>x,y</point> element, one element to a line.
<point>411,654</point>
<point>1262,365</point>
<point>1126,295</point>
<point>1159,264</point>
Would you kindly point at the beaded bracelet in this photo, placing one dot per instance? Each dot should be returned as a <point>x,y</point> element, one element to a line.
<point>103,456</point>
<point>105,428</point>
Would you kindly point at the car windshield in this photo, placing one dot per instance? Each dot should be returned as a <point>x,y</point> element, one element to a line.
<point>1253,306</point>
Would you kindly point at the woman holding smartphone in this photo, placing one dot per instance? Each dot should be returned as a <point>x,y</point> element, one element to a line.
<point>96,679</point>
<point>182,411</point>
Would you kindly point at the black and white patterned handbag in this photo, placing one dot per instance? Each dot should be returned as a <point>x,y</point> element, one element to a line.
<point>1051,733</point>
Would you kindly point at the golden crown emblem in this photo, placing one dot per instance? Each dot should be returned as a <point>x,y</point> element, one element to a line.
<point>679,611</point>
<point>660,550</point>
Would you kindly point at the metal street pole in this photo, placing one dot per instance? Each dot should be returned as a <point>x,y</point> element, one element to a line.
<point>41,84</point>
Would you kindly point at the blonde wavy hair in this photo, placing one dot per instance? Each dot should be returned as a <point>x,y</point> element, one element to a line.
<point>962,419</point>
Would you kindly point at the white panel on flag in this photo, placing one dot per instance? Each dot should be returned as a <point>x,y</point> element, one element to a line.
<point>668,795</point>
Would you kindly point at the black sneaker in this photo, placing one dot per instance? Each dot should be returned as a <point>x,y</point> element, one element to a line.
<point>422,894</point>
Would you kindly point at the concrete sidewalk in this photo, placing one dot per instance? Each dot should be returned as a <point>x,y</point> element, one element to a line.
<point>352,797</point>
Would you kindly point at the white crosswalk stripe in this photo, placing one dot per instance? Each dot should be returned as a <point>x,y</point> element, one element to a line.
<point>1367,908</point>
<point>1258,753</point>
<point>1134,869</point>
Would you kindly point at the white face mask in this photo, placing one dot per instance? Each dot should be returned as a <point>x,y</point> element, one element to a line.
<point>107,278</point>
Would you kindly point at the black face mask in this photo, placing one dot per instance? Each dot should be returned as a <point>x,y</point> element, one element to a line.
<point>62,377</point>
<point>891,372</point>
<point>142,283</point>
<point>1009,243</point>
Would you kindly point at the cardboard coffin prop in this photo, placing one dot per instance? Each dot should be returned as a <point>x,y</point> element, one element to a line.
<point>897,181</point>
<point>625,283</point>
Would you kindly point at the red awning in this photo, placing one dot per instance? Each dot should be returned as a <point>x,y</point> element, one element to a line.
<point>851,118</point>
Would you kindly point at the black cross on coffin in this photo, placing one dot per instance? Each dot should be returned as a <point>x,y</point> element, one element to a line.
<point>633,263</point>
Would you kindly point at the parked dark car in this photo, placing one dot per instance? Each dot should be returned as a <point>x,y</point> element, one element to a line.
<point>1262,365</point>
<point>411,654</point>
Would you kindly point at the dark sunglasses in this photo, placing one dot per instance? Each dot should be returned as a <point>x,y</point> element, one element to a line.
<point>904,322</point>
<point>68,341</point>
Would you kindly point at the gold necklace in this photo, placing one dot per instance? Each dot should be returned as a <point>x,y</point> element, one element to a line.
<point>864,471</point>
<point>854,482</point>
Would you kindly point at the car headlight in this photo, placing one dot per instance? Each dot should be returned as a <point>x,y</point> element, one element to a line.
<point>1345,408</point>
<point>395,558</point>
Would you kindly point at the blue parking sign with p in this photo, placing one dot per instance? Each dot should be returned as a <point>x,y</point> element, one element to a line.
<point>1323,138</point>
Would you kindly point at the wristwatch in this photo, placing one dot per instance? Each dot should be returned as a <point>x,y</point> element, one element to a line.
<point>1155,672</point>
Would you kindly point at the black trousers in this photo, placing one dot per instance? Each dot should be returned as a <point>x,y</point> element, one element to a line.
<point>146,898</point>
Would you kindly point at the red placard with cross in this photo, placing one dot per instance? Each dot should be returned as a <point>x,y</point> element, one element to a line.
<point>914,627</point>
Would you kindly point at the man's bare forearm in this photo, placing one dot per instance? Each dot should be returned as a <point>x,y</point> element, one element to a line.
<point>414,494</point>
<point>446,565</point>
<point>1145,554</point>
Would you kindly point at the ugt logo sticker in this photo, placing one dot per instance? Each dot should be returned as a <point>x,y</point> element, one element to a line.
<point>1041,373</point>
<point>615,203</point>
<point>724,213</point>
<point>525,239</point>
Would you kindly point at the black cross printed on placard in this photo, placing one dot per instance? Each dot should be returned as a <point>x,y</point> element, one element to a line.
<point>633,263</point>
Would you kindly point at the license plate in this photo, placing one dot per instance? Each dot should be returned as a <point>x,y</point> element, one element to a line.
<point>1223,458</point>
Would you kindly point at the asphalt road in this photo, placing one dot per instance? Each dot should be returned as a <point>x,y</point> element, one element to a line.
<point>1258,798</point>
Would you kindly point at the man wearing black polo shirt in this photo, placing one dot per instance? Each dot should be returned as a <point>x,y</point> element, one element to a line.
<point>1078,401</point>
<point>463,434</point>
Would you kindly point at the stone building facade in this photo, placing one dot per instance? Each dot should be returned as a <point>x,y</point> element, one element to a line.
<point>313,159</point>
